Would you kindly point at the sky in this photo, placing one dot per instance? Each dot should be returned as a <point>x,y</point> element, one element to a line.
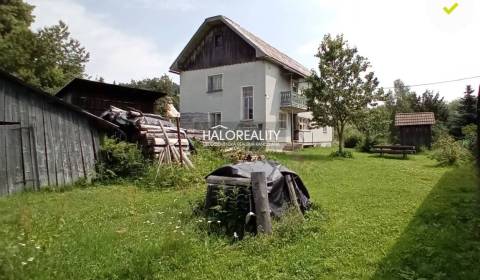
<point>412,40</point>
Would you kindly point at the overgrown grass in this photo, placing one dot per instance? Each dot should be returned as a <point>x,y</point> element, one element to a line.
<point>375,218</point>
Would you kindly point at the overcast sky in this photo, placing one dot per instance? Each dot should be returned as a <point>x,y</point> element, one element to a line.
<point>414,40</point>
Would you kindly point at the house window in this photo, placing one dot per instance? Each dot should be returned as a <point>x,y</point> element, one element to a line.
<point>218,40</point>
<point>324,129</point>
<point>282,120</point>
<point>215,119</point>
<point>215,83</point>
<point>247,103</point>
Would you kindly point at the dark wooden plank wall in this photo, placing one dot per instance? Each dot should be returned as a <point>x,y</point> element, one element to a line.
<point>232,50</point>
<point>416,135</point>
<point>42,143</point>
<point>97,100</point>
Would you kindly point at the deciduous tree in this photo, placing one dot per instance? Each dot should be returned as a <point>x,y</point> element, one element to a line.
<point>344,88</point>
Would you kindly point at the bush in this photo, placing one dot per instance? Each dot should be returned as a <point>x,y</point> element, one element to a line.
<point>352,140</point>
<point>174,176</point>
<point>470,140</point>
<point>344,154</point>
<point>447,151</point>
<point>367,143</point>
<point>119,159</point>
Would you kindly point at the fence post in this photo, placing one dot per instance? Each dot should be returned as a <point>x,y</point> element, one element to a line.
<point>260,197</point>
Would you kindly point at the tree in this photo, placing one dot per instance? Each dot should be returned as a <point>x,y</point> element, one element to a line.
<point>14,15</point>
<point>344,88</point>
<point>374,124</point>
<point>163,84</point>
<point>402,99</point>
<point>430,102</point>
<point>466,113</point>
<point>48,59</point>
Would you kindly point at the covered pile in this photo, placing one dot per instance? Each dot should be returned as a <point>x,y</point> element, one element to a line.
<point>229,198</point>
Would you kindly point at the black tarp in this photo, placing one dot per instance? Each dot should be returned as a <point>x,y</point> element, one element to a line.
<point>278,195</point>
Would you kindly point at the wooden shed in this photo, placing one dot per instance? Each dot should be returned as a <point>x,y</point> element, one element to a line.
<point>415,128</point>
<point>96,97</point>
<point>44,141</point>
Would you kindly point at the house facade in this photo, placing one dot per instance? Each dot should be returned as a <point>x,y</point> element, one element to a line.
<point>230,77</point>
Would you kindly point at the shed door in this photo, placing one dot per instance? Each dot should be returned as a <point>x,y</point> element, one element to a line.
<point>14,166</point>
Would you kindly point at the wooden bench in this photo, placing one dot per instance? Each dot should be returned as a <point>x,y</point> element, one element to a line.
<point>394,149</point>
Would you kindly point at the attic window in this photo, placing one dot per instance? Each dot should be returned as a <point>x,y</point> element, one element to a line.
<point>218,40</point>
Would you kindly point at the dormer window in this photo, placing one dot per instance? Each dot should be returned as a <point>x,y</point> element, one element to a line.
<point>218,40</point>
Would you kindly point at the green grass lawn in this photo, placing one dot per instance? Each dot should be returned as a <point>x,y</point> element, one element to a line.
<point>375,218</point>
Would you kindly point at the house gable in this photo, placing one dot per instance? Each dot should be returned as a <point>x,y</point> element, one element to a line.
<point>246,47</point>
<point>218,47</point>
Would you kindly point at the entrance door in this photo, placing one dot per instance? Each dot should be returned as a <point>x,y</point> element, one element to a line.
<point>13,162</point>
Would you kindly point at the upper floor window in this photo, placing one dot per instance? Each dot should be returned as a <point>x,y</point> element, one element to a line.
<point>247,100</point>
<point>324,129</point>
<point>215,83</point>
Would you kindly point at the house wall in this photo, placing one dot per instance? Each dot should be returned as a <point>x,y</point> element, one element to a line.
<point>41,142</point>
<point>276,82</point>
<point>268,80</point>
<point>196,102</point>
<point>416,135</point>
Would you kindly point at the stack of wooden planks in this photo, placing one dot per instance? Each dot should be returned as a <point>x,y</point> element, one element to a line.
<point>157,136</point>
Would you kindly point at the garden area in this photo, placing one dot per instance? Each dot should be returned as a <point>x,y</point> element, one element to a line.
<point>372,218</point>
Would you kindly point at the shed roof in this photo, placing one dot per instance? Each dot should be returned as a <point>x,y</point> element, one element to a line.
<point>117,89</point>
<point>56,100</point>
<point>262,48</point>
<point>419,118</point>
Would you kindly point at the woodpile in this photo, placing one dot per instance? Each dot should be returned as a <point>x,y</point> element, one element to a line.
<point>157,136</point>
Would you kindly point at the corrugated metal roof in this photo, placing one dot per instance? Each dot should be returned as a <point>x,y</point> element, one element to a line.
<point>420,118</point>
<point>264,50</point>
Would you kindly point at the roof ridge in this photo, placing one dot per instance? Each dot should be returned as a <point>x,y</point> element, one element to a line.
<point>266,51</point>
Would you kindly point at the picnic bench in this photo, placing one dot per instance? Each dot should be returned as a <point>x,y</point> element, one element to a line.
<point>394,149</point>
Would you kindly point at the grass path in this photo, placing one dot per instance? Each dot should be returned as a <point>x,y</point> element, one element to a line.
<point>376,218</point>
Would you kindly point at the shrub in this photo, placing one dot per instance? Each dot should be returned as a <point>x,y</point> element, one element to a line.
<point>174,176</point>
<point>367,143</point>
<point>470,140</point>
<point>119,159</point>
<point>352,140</point>
<point>447,151</point>
<point>344,154</point>
<point>228,213</point>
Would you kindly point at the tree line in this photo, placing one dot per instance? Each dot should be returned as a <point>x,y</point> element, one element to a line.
<point>345,95</point>
<point>50,57</point>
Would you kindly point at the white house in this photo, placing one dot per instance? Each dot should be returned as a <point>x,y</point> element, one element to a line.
<point>231,77</point>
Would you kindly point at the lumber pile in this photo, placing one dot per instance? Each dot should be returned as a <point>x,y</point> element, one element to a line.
<point>157,136</point>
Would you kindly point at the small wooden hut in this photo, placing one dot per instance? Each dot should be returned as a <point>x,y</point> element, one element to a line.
<point>44,141</point>
<point>415,128</point>
<point>97,97</point>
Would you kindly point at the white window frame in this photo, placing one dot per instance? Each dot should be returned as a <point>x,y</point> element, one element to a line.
<point>212,124</point>
<point>242,100</point>
<point>325,130</point>
<point>284,122</point>
<point>208,83</point>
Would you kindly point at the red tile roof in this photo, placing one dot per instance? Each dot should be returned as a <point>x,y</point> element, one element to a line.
<point>420,118</point>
